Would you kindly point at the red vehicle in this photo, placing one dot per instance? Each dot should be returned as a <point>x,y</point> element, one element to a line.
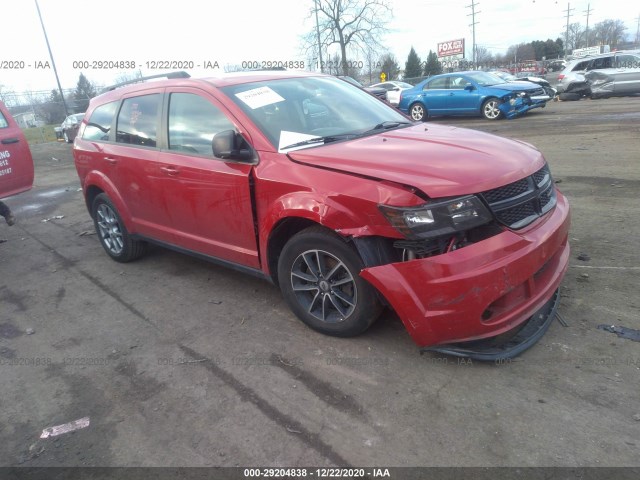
<point>16,164</point>
<point>339,199</point>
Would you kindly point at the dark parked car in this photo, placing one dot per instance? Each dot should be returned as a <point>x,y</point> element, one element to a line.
<point>471,93</point>
<point>70,127</point>
<point>381,93</point>
<point>313,184</point>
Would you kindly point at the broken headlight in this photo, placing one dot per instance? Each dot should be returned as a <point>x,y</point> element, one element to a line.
<point>439,218</point>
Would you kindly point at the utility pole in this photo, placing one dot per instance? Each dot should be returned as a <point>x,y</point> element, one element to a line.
<point>566,35</point>
<point>587,12</point>
<point>315,4</point>
<point>638,32</point>
<point>473,25</point>
<point>55,71</point>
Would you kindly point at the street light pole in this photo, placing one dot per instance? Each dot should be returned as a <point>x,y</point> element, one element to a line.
<point>53,63</point>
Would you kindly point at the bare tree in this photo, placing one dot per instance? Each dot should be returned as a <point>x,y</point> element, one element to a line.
<point>352,25</point>
<point>609,32</point>
<point>484,57</point>
<point>576,37</point>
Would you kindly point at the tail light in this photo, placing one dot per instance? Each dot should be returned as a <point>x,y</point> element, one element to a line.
<point>561,76</point>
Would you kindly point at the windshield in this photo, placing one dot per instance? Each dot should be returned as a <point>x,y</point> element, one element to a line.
<point>504,75</point>
<point>484,78</point>
<point>293,110</point>
<point>404,85</point>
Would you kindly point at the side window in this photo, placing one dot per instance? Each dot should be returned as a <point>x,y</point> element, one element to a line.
<point>457,83</point>
<point>438,83</point>
<point>3,121</point>
<point>627,61</point>
<point>100,122</point>
<point>193,121</point>
<point>138,120</point>
<point>580,66</point>
<point>598,63</point>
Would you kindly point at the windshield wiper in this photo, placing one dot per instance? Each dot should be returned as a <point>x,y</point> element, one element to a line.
<point>386,126</point>
<point>327,139</point>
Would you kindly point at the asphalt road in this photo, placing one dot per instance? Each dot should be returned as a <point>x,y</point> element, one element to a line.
<point>176,362</point>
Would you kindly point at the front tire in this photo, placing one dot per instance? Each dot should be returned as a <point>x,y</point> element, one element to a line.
<point>418,112</point>
<point>66,137</point>
<point>112,233</point>
<point>491,109</point>
<point>319,275</point>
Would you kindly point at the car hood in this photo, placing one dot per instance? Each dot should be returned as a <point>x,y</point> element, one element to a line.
<point>514,86</point>
<point>439,160</point>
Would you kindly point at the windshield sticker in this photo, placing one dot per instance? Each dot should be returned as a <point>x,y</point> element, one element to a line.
<point>291,138</point>
<point>259,97</point>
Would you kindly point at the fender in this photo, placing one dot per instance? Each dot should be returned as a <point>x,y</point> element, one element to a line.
<point>99,180</point>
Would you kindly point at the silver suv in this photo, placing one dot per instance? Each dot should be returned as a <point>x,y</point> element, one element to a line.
<point>615,73</point>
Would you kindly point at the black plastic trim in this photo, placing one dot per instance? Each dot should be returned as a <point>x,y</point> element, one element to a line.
<point>487,351</point>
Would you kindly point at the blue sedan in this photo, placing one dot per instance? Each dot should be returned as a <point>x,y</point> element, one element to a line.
<point>471,93</point>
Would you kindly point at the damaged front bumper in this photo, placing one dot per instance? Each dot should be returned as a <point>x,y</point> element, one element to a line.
<point>514,105</point>
<point>480,291</point>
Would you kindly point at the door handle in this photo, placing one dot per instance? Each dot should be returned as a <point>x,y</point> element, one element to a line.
<point>7,141</point>
<point>170,171</point>
<point>110,160</point>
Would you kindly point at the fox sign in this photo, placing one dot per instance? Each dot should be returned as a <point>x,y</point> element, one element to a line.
<point>452,47</point>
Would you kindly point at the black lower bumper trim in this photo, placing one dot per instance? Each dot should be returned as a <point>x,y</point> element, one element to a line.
<point>491,349</point>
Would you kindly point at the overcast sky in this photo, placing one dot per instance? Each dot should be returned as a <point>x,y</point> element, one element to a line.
<point>232,32</point>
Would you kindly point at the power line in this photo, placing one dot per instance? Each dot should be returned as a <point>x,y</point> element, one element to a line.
<point>473,25</point>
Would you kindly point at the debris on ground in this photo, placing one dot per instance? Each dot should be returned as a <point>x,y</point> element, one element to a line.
<point>29,331</point>
<point>56,217</point>
<point>622,332</point>
<point>584,257</point>
<point>86,232</point>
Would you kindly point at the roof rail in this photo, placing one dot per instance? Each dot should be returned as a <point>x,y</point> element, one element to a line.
<point>179,74</point>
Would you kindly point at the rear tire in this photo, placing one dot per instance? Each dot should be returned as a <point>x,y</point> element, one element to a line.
<point>418,112</point>
<point>319,275</point>
<point>113,235</point>
<point>570,97</point>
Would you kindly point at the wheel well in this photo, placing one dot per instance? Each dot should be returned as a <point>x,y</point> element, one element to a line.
<point>92,193</point>
<point>279,236</point>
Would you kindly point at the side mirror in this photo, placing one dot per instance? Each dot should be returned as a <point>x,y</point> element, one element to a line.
<point>469,87</point>
<point>396,89</point>
<point>227,145</point>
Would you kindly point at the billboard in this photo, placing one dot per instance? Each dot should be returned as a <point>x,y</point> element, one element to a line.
<point>452,47</point>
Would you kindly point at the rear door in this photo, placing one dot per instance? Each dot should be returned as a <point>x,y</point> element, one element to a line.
<point>16,163</point>
<point>436,96</point>
<point>626,76</point>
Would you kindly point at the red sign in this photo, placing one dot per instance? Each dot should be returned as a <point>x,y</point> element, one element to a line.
<point>453,47</point>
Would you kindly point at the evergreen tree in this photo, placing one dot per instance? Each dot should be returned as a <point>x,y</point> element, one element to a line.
<point>432,66</point>
<point>85,91</point>
<point>412,68</point>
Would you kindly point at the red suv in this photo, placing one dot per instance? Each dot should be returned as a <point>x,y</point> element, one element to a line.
<point>342,201</point>
<point>16,163</point>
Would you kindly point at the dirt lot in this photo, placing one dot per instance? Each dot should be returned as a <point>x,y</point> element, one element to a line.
<point>177,362</point>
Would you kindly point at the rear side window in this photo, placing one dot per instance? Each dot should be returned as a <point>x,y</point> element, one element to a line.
<point>598,63</point>
<point>438,83</point>
<point>138,120</point>
<point>193,121</point>
<point>100,122</point>
<point>3,121</point>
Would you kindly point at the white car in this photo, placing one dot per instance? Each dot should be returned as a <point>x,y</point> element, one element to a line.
<point>393,89</point>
